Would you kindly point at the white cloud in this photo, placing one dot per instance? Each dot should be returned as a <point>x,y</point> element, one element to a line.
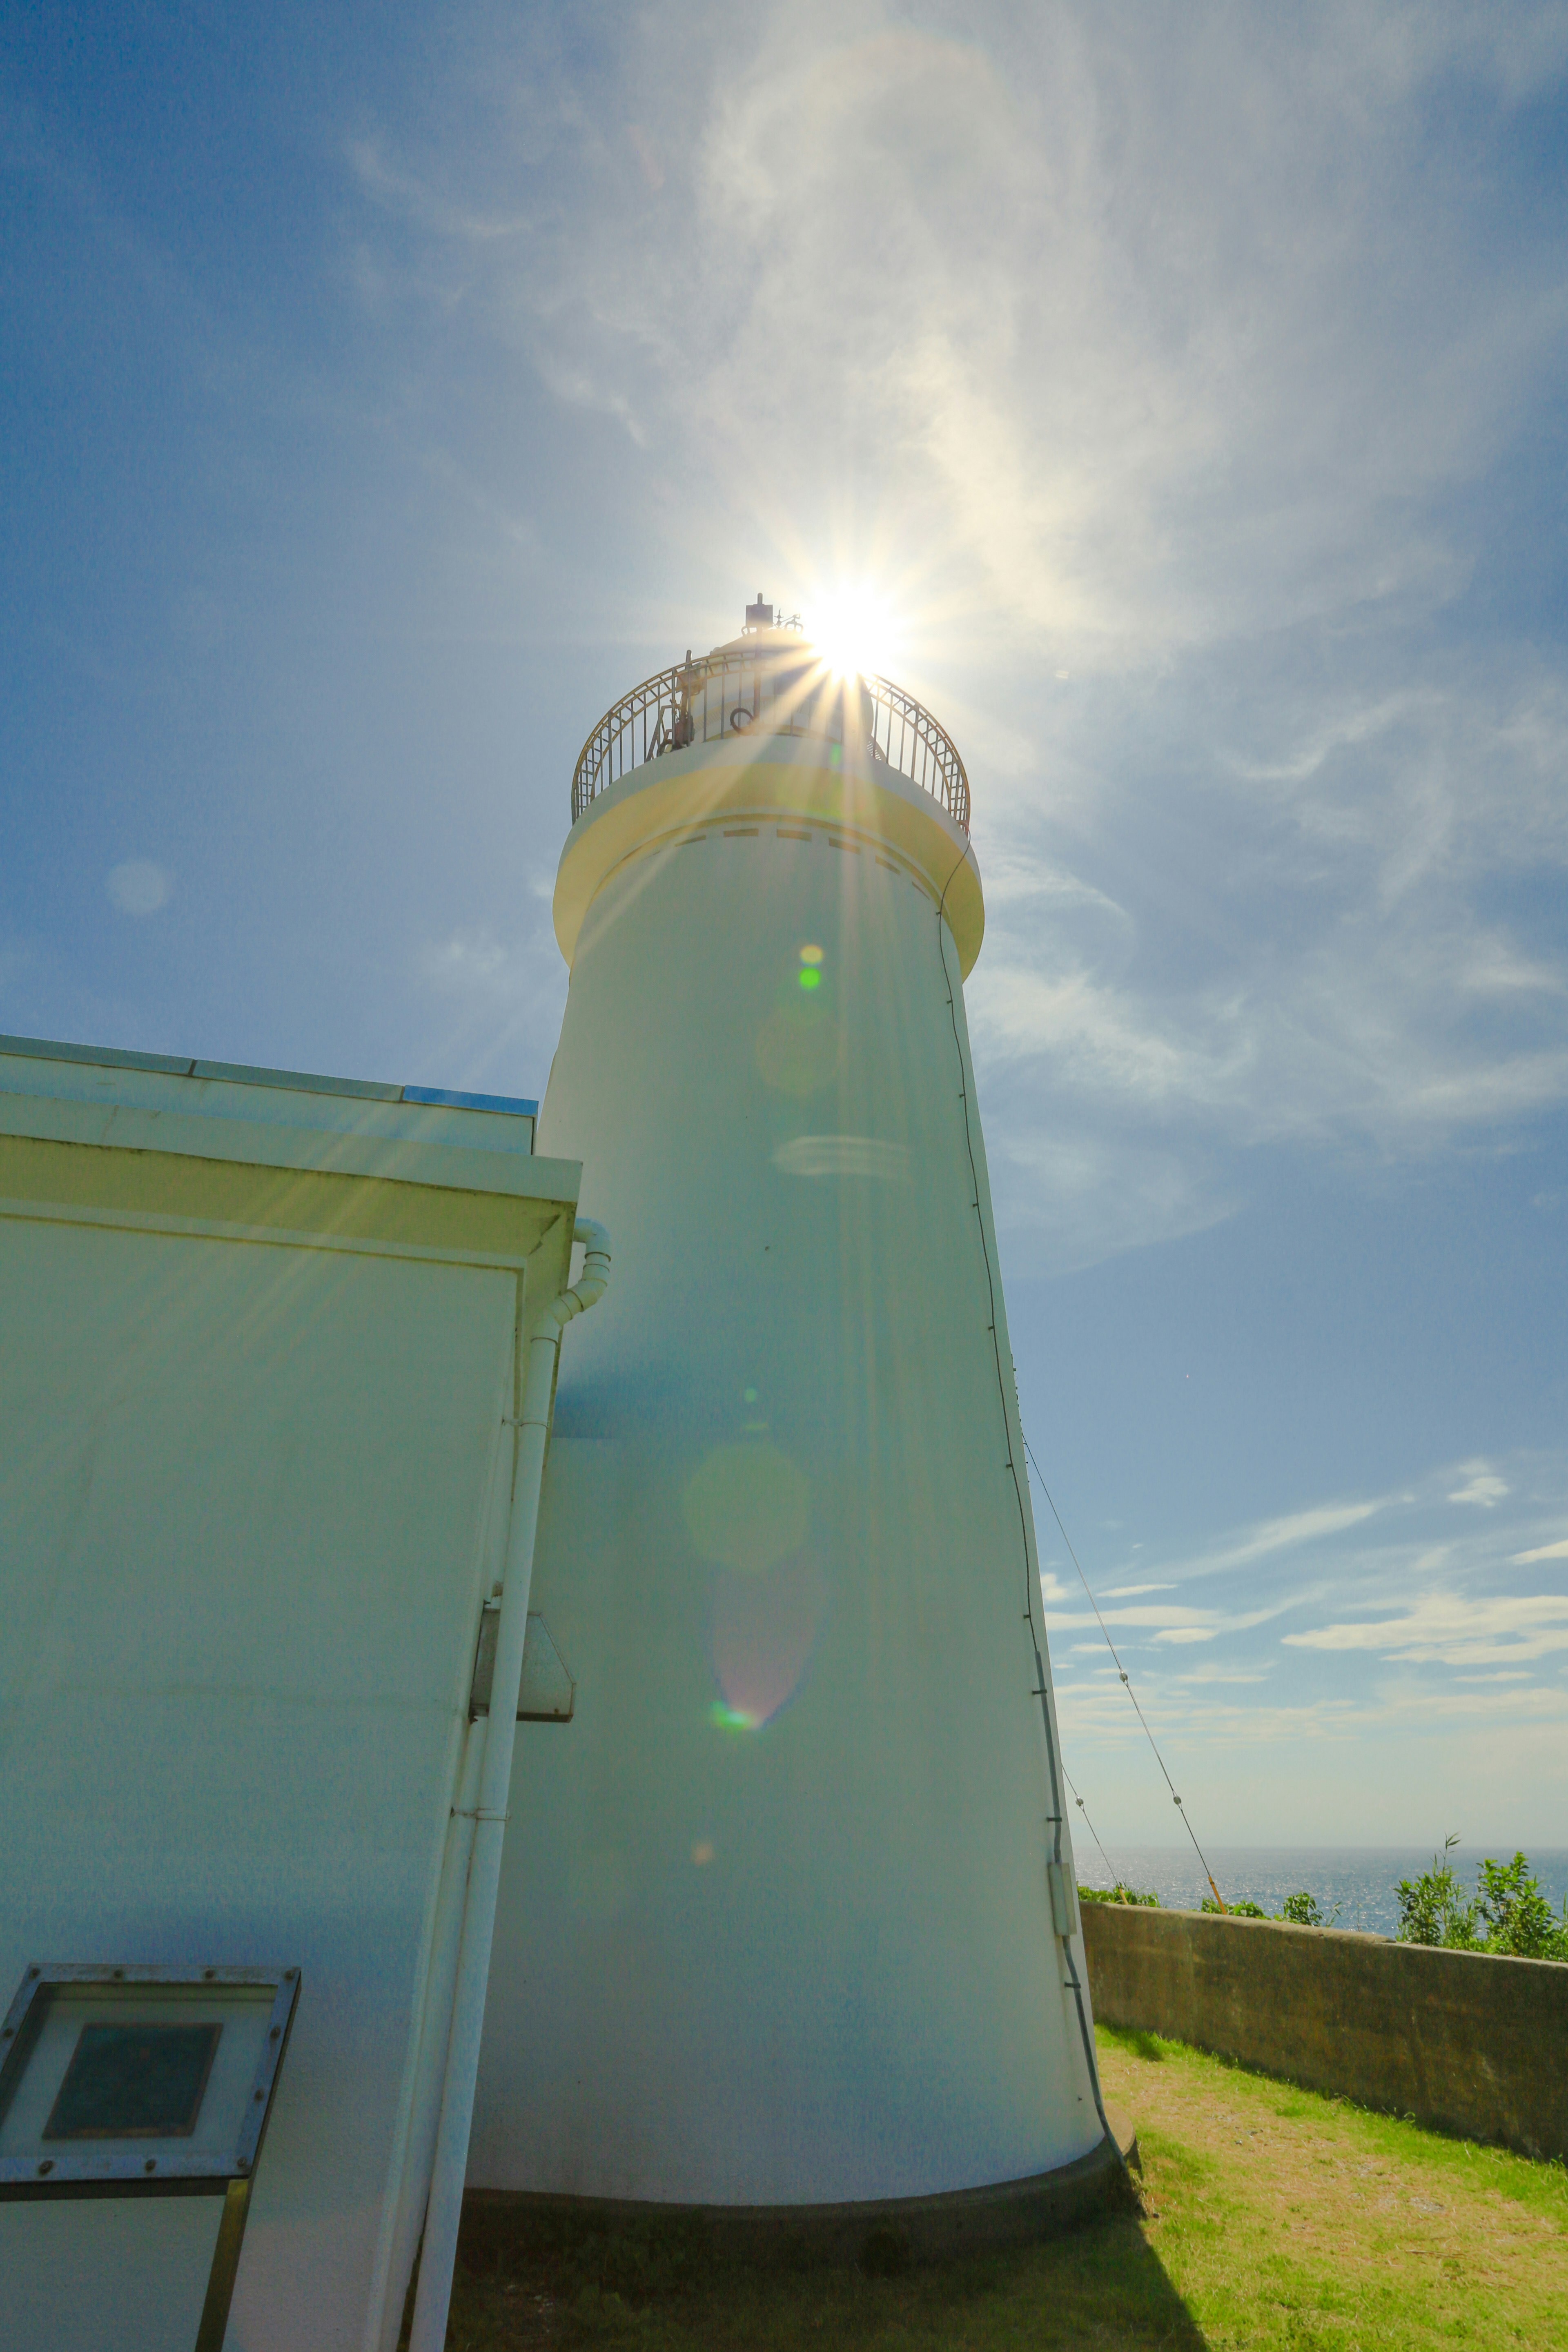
<point>1173,1621</point>
<point>1128,333</point>
<point>402,191</point>
<point>1065,1197</point>
<point>1482,1486</point>
<point>140,887</point>
<point>1445,1627</point>
<point>1270,1536</point>
<point>1151,368</point>
<point>469,959</point>
<point>1541,1552</point>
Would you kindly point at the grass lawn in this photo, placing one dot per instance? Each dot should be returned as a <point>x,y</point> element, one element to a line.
<point>1272,2217</point>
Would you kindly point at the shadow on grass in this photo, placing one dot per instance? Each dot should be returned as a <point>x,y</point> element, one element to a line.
<point>530,2279</point>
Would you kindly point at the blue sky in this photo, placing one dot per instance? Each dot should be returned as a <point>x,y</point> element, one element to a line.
<point>385,391</point>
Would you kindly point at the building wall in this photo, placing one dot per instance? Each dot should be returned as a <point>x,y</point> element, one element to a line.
<point>252,1486</point>
<point>1461,2041</point>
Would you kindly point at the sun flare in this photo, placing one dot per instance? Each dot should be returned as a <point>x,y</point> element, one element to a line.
<point>853,629</point>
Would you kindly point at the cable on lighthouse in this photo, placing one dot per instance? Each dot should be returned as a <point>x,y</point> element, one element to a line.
<point>1126,1682</point>
<point>1088,1825</point>
<point>1031,1580</point>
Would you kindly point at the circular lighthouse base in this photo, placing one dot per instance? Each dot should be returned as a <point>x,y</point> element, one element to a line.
<point>881,2233</point>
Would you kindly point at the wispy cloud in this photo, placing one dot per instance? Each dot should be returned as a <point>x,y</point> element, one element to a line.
<point>1150,366</point>
<point>472,962</point>
<point>402,191</point>
<point>1271,1537</point>
<point>1482,1486</point>
<point>1449,1629</point>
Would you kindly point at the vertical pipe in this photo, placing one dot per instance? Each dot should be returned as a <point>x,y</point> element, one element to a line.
<point>440,1986</point>
<point>444,2212</point>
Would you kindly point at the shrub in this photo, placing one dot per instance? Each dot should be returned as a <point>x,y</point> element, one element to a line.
<point>1431,1910</point>
<point>1303,1910</point>
<point>1117,1893</point>
<point>1519,1919</point>
<point>1509,1914</point>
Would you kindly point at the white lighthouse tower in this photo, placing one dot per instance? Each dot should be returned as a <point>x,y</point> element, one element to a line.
<point>786,1917</point>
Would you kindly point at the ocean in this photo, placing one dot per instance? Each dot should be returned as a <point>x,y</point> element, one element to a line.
<point>1359,1879</point>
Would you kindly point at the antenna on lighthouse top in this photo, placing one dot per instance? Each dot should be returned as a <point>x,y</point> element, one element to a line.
<point>758,616</point>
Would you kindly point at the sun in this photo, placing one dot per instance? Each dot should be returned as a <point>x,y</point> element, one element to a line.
<point>852,628</point>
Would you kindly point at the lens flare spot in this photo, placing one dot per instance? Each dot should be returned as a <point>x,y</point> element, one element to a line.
<point>799,1045</point>
<point>811,955</point>
<point>810,979</point>
<point>765,1635</point>
<point>746,1506</point>
<point>702,1852</point>
<point>731,1718</point>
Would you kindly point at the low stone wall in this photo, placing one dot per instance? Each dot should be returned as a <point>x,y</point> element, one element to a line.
<point>1462,2042</point>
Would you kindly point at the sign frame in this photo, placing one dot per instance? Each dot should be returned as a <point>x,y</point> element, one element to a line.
<point>103,2167</point>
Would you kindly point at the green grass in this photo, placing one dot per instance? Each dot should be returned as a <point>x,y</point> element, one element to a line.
<point>1272,2218</point>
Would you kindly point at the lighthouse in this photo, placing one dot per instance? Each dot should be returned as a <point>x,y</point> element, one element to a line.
<point>787,1912</point>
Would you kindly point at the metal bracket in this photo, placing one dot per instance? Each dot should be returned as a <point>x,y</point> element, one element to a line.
<point>547,1693</point>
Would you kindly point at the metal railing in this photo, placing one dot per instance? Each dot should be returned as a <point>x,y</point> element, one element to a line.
<point>742,690</point>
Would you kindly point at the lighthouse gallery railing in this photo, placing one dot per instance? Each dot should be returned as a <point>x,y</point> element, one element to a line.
<point>735,692</point>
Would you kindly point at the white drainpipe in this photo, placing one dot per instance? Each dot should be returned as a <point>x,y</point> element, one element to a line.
<point>445,2209</point>
<point>440,1982</point>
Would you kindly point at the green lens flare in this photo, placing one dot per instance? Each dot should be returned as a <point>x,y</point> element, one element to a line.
<point>809,979</point>
<point>730,1719</point>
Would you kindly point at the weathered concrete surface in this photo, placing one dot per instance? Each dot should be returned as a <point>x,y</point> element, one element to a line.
<point>1462,2042</point>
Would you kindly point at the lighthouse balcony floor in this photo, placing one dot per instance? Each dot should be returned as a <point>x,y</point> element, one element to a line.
<point>1263,2215</point>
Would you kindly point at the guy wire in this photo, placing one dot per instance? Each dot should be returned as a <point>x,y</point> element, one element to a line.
<point>1126,1684</point>
<point>1065,1945</point>
<point>1094,1834</point>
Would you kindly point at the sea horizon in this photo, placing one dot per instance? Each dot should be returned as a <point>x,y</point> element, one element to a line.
<point>1359,1882</point>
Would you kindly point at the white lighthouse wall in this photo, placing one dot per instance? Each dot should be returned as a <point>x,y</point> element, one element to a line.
<point>775,1924</point>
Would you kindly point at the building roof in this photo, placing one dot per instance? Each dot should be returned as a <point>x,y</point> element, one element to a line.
<point>248,1074</point>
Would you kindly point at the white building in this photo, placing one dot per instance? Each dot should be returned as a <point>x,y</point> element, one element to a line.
<point>257,1338</point>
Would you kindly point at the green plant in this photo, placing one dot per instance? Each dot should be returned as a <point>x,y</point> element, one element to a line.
<point>1508,1915</point>
<point>1245,1909</point>
<point>1519,1919</point>
<point>1304,1910</point>
<point>1431,1908</point>
<point>1117,1893</point>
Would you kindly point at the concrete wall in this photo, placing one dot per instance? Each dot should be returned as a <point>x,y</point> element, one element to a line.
<point>1464,2043</point>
